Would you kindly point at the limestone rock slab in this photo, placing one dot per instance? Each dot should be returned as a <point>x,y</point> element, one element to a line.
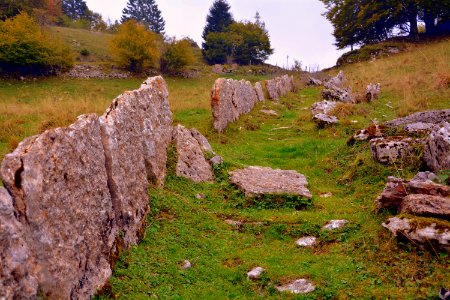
<point>430,117</point>
<point>17,277</point>
<point>307,241</point>
<point>259,92</point>
<point>437,148</point>
<point>256,181</point>
<point>279,86</point>
<point>230,99</point>
<point>324,120</point>
<point>393,149</point>
<point>372,91</point>
<point>255,273</point>
<point>191,163</point>
<point>60,188</point>
<point>323,107</point>
<point>426,205</point>
<point>299,286</point>
<point>424,236</point>
<point>334,224</point>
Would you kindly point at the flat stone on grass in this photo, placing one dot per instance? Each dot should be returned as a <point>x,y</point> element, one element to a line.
<point>334,224</point>
<point>307,241</point>
<point>257,181</point>
<point>299,286</point>
<point>255,273</point>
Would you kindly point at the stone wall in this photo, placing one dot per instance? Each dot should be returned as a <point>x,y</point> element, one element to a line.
<point>76,195</point>
<point>230,99</point>
<point>280,86</point>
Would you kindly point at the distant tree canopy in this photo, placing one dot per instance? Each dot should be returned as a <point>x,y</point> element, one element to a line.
<point>145,12</point>
<point>25,48</point>
<point>227,41</point>
<point>11,8</point>
<point>177,55</point>
<point>358,22</point>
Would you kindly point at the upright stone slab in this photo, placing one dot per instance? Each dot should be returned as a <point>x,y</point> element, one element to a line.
<point>259,92</point>
<point>191,163</point>
<point>279,86</point>
<point>123,140</point>
<point>153,97</point>
<point>59,184</point>
<point>437,148</point>
<point>17,279</point>
<point>271,87</point>
<point>229,100</point>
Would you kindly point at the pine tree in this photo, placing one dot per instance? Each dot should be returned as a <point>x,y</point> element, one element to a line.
<point>75,9</point>
<point>218,19</point>
<point>145,12</point>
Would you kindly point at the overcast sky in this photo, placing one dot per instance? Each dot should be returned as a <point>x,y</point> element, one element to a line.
<point>296,27</point>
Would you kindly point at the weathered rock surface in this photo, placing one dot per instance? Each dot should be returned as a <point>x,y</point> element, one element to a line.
<point>191,163</point>
<point>255,273</point>
<point>60,188</point>
<point>336,81</point>
<point>427,175</point>
<point>229,100</point>
<point>419,127</point>
<point>334,224</point>
<point>257,181</point>
<point>430,117</point>
<point>218,69</point>
<point>299,286</point>
<point>426,205</point>
<point>437,148</point>
<point>186,265</point>
<point>338,94</point>
<point>205,146</point>
<point>372,92</point>
<point>279,86</point>
<point>323,107</point>
<point>397,189</point>
<point>17,276</point>
<point>314,82</point>
<point>393,149</point>
<point>371,132</point>
<point>259,92</point>
<point>324,120</point>
<point>216,160</point>
<point>307,241</point>
<point>424,236</point>
<point>153,101</point>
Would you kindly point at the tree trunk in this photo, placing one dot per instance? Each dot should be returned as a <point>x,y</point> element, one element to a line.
<point>430,26</point>
<point>413,28</point>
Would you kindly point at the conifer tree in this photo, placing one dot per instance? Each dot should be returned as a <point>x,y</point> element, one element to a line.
<point>145,12</point>
<point>218,19</point>
<point>75,9</point>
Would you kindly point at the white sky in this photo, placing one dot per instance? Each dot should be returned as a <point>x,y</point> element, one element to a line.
<point>296,27</point>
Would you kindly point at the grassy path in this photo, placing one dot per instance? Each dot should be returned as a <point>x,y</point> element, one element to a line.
<point>360,261</point>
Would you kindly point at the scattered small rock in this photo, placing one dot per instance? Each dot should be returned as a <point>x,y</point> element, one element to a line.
<point>216,160</point>
<point>218,69</point>
<point>234,223</point>
<point>186,265</point>
<point>255,273</point>
<point>269,112</point>
<point>426,205</point>
<point>323,107</point>
<point>299,286</point>
<point>424,176</point>
<point>200,196</point>
<point>372,92</point>
<point>324,120</point>
<point>326,195</point>
<point>307,241</point>
<point>371,132</point>
<point>392,149</point>
<point>334,224</point>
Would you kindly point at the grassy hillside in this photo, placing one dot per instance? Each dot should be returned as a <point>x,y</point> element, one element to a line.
<point>361,261</point>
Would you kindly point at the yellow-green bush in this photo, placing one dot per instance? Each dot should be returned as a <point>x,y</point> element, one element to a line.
<point>135,48</point>
<point>25,47</point>
<point>177,55</point>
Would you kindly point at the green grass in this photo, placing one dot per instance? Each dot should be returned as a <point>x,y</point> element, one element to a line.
<point>361,261</point>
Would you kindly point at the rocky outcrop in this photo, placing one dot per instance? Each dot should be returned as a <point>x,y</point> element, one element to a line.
<point>257,181</point>
<point>314,82</point>
<point>229,100</point>
<point>323,107</point>
<point>73,190</point>
<point>323,120</point>
<point>393,149</point>
<point>335,90</point>
<point>437,148</point>
<point>60,188</point>
<point>372,92</point>
<point>438,236</point>
<point>426,205</point>
<point>427,117</point>
<point>397,189</point>
<point>279,86</point>
<point>191,162</point>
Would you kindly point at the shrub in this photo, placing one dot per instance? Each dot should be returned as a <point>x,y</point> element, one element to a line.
<point>26,48</point>
<point>135,48</point>
<point>177,55</point>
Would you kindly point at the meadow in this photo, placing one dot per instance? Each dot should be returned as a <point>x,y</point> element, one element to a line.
<point>360,261</point>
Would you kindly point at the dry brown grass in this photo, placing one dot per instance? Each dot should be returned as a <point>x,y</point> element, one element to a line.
<point>414,80</point>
